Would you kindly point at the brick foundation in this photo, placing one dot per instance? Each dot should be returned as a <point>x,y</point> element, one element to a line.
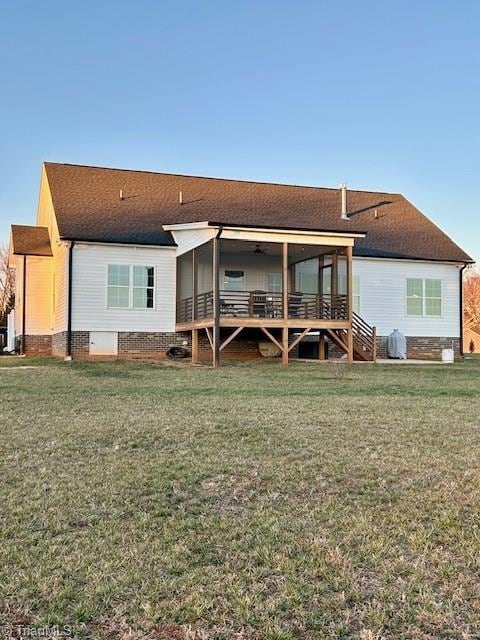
<point>148,345</point>
<point>38,345</point>
<point>422,348</point>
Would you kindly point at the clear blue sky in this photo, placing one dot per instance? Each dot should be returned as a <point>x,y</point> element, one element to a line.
<point>385,95</point>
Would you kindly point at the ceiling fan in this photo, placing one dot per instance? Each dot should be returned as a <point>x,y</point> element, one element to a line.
<point>258,250</point>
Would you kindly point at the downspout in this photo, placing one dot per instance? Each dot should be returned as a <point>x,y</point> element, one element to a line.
<point>216,298</point>
<point>24,305</point>
<point>70,301</point>
<point>461,308</point>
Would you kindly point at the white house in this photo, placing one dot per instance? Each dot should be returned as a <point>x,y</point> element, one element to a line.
<point>128,263</point>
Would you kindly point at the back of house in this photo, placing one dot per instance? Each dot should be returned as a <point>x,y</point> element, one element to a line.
<point>127,264</point>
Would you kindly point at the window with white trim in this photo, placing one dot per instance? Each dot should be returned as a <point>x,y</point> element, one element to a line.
<point>424,297</point>
<point>130,286</point>
<point>234,280</point>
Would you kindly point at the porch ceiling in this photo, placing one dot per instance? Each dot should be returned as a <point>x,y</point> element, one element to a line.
<point>296,253</point>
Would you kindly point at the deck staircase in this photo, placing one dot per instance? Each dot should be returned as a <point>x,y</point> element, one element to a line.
<point>364,339</point>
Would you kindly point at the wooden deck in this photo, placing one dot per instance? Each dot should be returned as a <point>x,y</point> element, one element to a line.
<point>285,317</point>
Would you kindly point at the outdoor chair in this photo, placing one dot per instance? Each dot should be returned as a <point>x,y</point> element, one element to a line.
<point>258,303</point>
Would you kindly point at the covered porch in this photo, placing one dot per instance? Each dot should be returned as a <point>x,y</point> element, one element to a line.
<point>285,284</point>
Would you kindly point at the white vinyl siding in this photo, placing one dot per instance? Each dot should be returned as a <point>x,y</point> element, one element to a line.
<point>38,311</point>
<point>254,267</point>
<point>59,264</point>
<point>356,293</point>
<point>91,311</point>
<point>188,239</point>
<point>384,296</point>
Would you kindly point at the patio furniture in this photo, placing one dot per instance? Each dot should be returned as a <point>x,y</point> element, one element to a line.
<point>258,303</point>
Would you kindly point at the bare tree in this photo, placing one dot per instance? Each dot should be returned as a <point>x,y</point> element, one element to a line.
<point>7,285</point>
<point>471,300</point>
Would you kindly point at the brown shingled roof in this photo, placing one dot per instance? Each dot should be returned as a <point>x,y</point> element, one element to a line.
<point>88,207</point>
<point>30,241</point>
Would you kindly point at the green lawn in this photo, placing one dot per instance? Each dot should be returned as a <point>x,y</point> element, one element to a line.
<point>253,501</point>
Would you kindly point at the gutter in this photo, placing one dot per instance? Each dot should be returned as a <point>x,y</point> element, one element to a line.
<point>70,301</point>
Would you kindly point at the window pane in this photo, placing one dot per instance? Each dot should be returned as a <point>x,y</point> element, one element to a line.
<point>342,284</point>
<point>142,298</point>
<point>433,288</point>
<point>327,280</point>
<point>149,298</point>
<point>142,276</point>
<point>234,280</point>
<point>118,296</point>
<point>433,307</point>
<point>118,275</point>
<point>415,287</point>
<point>308,282</point>
<point>414,306</point>
<point>274,282</point>
<point>356,285</point>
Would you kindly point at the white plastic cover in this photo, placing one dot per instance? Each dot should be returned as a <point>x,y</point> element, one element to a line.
<point>10,331</point>
<point>397,345</point>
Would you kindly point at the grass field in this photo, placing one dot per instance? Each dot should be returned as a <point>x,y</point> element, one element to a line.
<point>253,501</point>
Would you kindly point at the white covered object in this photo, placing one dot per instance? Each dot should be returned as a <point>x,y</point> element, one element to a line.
<point>10,331</point>
<point>397,345</point>
<point>448,355</point>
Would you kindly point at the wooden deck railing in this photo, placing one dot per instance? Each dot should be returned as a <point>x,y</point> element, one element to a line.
<point>263,304</point>
<point>365,337</point>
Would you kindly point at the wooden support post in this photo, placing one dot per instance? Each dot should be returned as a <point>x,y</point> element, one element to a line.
<point>216,302</point>
<point>321,347</point>
<point>194,346</point>
<point>285,345</point>
<point>194,284</point>
<point>374,346</point>
<point>285,301</point>
<point>321,262</point>
<point>348,252</point>
<point>334,274</point>
<point>285,279</point>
